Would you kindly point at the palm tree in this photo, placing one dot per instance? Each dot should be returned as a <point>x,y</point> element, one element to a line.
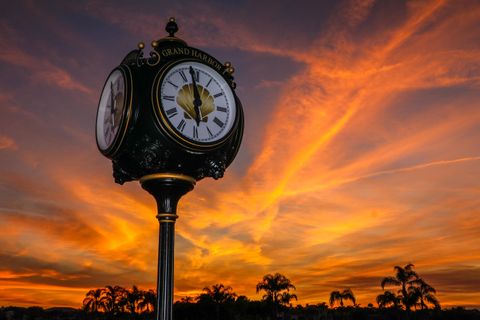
<point>388,298</point>
<point>346,294</point>
<point>275,286</point>
<point>287,297</point>
<point>111,299</point>
<point>131,299</point>
<point>219,294</point>
<point>92,302</point>
<point>405,278</point>
<point>420,290</point>
<point>148,301</point>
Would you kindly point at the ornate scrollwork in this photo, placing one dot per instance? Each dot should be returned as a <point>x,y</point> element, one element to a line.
<point>154,59</point>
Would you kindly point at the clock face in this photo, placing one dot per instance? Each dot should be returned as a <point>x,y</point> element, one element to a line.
<point>111,111</point>
<point>196,103</point>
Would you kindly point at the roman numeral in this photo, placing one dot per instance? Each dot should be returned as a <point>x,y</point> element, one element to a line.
<point>181,125</point>
<point>171,112</point>
<point>209,132</point>
<point>170,98</point>
<point>222,109</point>
<point>195,132</point>
<point>218,95</point>
<point>196,75</point>
<point>218,122</point>
<point>209,82</point>
<point>184,77</point>
<point>173,84</point>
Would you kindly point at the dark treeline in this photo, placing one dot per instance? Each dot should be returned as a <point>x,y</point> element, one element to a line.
<point>404,296</point>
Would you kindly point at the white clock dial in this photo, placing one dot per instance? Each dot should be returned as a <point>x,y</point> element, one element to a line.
<point>197,102</point>
<point>110,110</point>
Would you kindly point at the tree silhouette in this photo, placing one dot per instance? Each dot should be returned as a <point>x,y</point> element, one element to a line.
<point>219,294</point>
<point>423,292</point>
<point>148,302</point>
<point>111,299</point>
<point>405,278</point>
<point>92,302</point>
<point>346,294</point>
<point>130,300</point>
<point>277,290</point>
<point>187,299</point>
<point>387,299</point>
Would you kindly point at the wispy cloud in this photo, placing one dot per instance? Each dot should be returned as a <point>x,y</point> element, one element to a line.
<point>15,52</point>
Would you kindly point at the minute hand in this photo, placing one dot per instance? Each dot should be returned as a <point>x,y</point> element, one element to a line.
<point>197,102</point>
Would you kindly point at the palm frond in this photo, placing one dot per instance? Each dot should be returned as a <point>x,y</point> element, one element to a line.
<point>390,281</point>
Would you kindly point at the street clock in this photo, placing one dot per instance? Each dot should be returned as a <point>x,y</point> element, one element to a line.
<point>169,120</point>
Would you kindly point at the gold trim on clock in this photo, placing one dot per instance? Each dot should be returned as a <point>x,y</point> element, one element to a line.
<point>177,176</point>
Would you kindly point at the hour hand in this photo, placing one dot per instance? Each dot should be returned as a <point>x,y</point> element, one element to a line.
<point>197,102</point>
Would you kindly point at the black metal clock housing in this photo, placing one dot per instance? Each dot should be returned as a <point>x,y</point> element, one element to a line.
<point>175,111</point>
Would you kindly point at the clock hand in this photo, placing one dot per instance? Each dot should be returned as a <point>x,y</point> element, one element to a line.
<point>197,102</point>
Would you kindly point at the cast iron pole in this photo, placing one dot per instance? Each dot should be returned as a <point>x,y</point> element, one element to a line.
<point>167,189</point>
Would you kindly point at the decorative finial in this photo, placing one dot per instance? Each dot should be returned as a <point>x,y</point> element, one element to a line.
<point>154,43</point>
<point>141,45</point>
<point>171,27</point>
<point>229,68</point>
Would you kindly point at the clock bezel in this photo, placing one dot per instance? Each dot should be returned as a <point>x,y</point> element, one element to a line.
<point>165,125</point>
<point>119,138</point>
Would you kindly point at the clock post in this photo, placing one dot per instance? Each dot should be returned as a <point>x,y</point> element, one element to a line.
<point>167,189</point>
<point>168,121</point>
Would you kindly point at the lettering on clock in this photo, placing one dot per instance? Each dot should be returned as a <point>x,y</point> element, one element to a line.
<point>181,125</point>
<point>209,82</point>
<point>222,109</point>
<point>218,122</point>
<point>169,98</point>
<point>212,62</point>
<point>218,95</point>
<point>184,77</point>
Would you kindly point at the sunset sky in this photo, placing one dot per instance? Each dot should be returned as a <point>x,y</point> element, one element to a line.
<point>361,150</point>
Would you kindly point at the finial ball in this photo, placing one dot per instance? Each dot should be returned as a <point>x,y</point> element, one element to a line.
<point>171,27</point>
<point>228,64</point>
<point>154,43</point>
<point>141,45</point>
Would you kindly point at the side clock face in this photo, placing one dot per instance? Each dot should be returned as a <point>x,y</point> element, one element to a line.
<point>195,104</point>
<point>113,111</point>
